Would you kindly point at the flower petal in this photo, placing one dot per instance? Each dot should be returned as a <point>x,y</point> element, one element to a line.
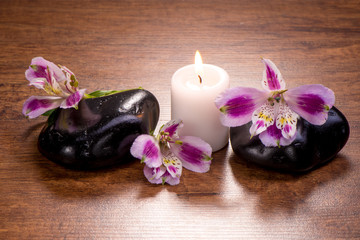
<point>272,78</point>
<point>73,99</point>
<point>238,104</point>
<point>39,69</point>
<point>146,148</point>
<point>262,118</point>
<point>168,178</point>
<point>38,82</point>
<point>194,153</point>
<point>70,83</point>
<point>154,175</point>
<point>171,128</point>
<point>273,137</point>
<point>173,164</point>
<point>37,105</point>
<point>311,102</point>
<point>286,121</point>
<point>160,176</point>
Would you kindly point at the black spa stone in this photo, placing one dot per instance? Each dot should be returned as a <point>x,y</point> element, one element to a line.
<point>313,146</point>
<point>101,131</point>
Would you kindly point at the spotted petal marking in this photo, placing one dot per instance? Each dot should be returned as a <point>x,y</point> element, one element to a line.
<point>146,148</point>
<point>173,164</point>
<point>272,78</point>
<point>262,118</point>
<point>286,121</point>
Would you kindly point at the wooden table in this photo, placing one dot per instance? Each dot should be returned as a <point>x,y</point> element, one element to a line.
<point>126,44</point>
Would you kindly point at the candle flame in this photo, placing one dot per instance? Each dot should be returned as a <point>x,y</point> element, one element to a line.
<point>199,65</point>
<point>198,59</point>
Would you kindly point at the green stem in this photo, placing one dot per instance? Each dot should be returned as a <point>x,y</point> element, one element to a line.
<point>102,93</point>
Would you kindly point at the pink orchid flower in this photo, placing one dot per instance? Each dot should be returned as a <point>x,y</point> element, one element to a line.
<point>57,81</point>
<point>166,154</point>
<point>275,110</point>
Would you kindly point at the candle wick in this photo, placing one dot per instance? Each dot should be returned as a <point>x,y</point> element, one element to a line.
<point>200,79</point>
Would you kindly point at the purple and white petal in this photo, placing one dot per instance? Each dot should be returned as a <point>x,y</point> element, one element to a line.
<point>272,78</point>
<point>238,104</point>
<point>168,178</point>
<point>159,172</point>
<point>146,148</point>
<point>73,99</point>
<point>43,63</point>
<point>173,164</point>
<point>41,68</point>
<point>286,121</point>
<point>262,118</point>
<point>56,87</point>
<point>38,82</point>
<point>36,77</point>
<point>68,73</point>
<point>273,137</point>
<point>70,83</point>
<point>171,128</point>
<point>154,175</point>
<point>311,102</point>
<point>46,75</point>
<point>194,153</point>
<point>34,106</point>
<point>37,69</point>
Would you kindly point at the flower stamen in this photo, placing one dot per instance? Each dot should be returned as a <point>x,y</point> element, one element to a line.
<point>280,105</point>
<point>172,153</point>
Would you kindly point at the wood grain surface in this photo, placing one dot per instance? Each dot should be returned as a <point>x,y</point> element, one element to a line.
<point>126,44</point>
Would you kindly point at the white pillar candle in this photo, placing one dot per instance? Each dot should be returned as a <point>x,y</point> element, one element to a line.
<point>192,101</point>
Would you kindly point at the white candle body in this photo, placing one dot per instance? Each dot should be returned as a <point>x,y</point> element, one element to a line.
<point>193,103</point>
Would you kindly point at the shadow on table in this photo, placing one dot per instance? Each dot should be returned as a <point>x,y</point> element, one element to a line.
<point>275,191</point>
<point>73,184</point>
<point>197,189</point>
<point>282,192</point>
<point>32,129</point>
<point>69,183</point>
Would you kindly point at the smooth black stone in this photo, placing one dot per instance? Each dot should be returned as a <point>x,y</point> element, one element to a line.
<point>313,146</point>
<point>101,131</point>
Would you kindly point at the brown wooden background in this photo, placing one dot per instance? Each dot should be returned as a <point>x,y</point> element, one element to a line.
<point>126,44</point>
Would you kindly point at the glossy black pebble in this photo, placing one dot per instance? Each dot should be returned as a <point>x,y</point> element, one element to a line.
<point>100,133</point>
<point>313,146</point>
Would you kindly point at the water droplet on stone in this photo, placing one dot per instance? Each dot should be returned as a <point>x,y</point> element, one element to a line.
<point>313,146</point>
<point>100,133</point>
